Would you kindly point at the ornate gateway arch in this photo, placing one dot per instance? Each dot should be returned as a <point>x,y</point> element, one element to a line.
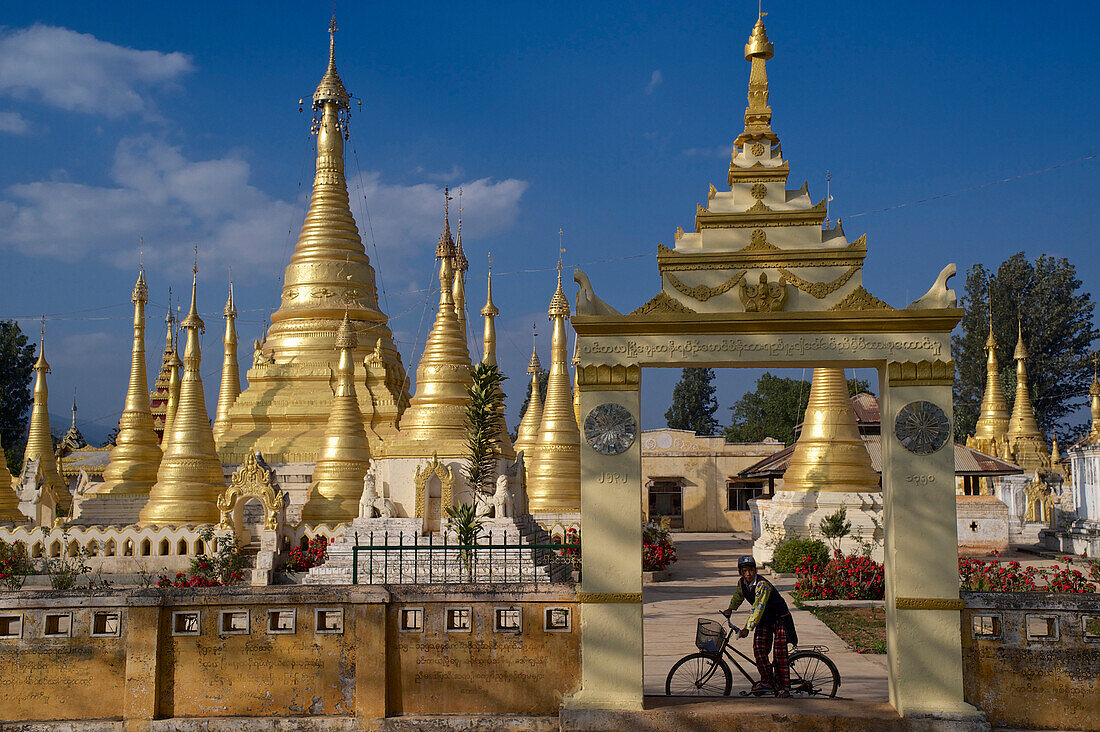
<point>763,280</point>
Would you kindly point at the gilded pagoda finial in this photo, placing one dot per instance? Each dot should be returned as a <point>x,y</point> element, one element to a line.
<point>231,377</point>
<point>39,442</point>
<point>758,115</point>
<point>490,312</point>
<point>331,88</point>
<point>1026,441</point>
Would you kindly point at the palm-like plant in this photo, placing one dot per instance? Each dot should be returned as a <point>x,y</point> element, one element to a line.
<point>484,426</point>
<point>466,525</point>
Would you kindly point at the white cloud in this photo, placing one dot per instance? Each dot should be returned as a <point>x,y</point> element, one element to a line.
<point>453,174</point>
<point>13,123</point>
<point>174,203</point>
<point>655,80</point>
<point>78,72</point>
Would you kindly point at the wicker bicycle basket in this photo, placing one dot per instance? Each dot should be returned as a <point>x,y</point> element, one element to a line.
<point>710,636</point>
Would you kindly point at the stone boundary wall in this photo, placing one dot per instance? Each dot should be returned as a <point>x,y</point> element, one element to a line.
<point>137,549</point>
<point>1032,659</point>
<point>361,653</point>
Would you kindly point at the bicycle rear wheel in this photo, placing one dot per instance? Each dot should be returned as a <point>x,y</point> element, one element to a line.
<point>699,674</point>
<point>813,674</point>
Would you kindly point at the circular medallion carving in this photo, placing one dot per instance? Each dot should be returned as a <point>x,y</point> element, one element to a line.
<point>757,149</point>
<point>610,429</point>
<point>922,427</point>
<point>759,190</point>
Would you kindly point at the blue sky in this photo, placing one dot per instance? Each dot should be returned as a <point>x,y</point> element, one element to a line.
<point>179,123</point>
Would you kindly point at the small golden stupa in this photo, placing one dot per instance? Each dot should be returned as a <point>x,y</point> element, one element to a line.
<point>829,454</point>
<point>135,458</point>
<point>158,395</point>
<point>190,477</point>
<point>554,467</point>
<point>39,441</point>
<point>231,376</point>
<point>489,356</point>
<point>1025,441</point>
<point>1094,403</point>
<point>993,421</point>
<point>527,436</point>
<point>345,457</point>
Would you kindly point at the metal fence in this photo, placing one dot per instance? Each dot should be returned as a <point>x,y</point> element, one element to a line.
<point>411,558</point>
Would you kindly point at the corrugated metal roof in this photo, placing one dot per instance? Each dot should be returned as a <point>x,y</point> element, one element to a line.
<point>968,461</point>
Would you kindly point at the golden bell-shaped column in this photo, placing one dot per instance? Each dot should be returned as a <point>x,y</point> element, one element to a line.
<point>136,454</point>
<point>1028,447</point>
<point>554,473</point>
<point>527,436</point>
<point>231,375</point>
<point>39,441</point>
<point>993,420</point>
<point>829,454</point>
<point>345,457</point>
<point>190,478</point>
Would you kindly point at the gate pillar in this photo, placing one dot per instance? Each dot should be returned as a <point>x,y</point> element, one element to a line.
<point>611,539</point>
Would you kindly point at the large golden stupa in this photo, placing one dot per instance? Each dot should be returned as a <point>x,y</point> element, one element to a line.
<point>285,408</point>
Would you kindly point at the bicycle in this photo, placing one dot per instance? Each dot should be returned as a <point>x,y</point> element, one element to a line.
<point>706,673</point>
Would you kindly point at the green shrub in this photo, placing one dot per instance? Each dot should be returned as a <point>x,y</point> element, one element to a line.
<point>789,554</point>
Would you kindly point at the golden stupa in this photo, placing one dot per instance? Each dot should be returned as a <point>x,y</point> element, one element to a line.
<point>458,289</point>
<point>136,455</point>
<point>527,436</point>
<point>190,478</point>
<point>231,377</point>
<point>1094,403</point>
<point>489,356</point>
<point>158,395</point>
<point>174,366</point>
<point>993,421</point>
<point>285,408</point>
<point>829,454</point>
<point>435,419</point>
<point>345,457</point>
<point>1025,441</point>
<point>554,467</point>
<point>39,441</point>
<point>9,499</point>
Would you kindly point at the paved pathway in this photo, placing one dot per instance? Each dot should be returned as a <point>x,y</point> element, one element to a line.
<point>702,581</point>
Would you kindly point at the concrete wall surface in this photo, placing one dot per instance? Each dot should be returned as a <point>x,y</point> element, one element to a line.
<point>312,651</point>
<point>1032,659</point>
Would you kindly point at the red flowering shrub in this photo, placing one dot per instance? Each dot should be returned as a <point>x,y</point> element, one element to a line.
<point>843,577</point>
<point>572,555</point>
<point>314,555</point>
<point>14,566</point>
<point>657,549</point>
<point>183,580</point>
<point>979,576</point>
<point>221,568</point>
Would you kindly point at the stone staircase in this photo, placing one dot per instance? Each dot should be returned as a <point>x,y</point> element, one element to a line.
<point>403,554</point>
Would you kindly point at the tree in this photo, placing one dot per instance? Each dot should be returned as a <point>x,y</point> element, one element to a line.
<point>774,407</point>
<point>544,379</point>
<point>484,424</point>
<point>693,403</point>
<point>1058,333</point>
<point>16,367</point>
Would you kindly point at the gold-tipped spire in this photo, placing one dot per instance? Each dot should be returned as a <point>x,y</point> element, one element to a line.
<point>284,410</point>
<point>170,408</point>
<point>231,376</point>
<point>994,417</point>
<point>136,455</point>
<point>158,395</point>
<point>39,441</point>
<point>345,458</point>
<point>829,454</point>
<point>190,477</point>
<point>461,266</point>
<point>436,415</point>
<point>490,312</point>
<point>758,115</point>
<point>527,436</point>
<point>554,473</point>
<point>1028,447</point>
<point>576,363</point>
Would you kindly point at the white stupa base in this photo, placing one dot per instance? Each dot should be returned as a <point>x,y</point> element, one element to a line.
<point>799,514</point>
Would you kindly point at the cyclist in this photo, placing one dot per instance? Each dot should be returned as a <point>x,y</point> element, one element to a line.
<point>771,621</point>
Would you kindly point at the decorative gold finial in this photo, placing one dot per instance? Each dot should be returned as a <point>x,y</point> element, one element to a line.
<point>527,435</point>
<point>758,115</point>
<point>39,442</point>
<point>1026,442</point>
<point>331,88</point>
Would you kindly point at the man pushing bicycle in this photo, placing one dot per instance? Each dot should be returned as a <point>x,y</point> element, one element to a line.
<point>771,621</point>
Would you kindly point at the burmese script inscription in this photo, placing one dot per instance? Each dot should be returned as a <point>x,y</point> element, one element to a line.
<point>661,349</point>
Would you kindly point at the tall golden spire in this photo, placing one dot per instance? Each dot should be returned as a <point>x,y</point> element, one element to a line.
<point>576,363</point>
<point>281,411</point>
<point>1025,440</point>
<point>231,377</point>
<point>993,420</point>
<point>39,442</point>
<point>345,458</point>
<point>554,473</point>
<point>527,436</point>
<point>461,266</point>
<point>158,396</point>
<point>1094,401</point>
<point>174,365</point>
<point>190,477</point>
<point>136,454</point>
<point>437,412</point>
<point>758,115</point>
<point>829,454</point>
<point>490,312</point>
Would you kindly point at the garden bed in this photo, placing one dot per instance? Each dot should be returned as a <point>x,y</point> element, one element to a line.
<point>862,628</point>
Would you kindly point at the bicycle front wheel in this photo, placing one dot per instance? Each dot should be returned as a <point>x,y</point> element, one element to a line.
<point>699,675</point>
<point>813,674</point>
